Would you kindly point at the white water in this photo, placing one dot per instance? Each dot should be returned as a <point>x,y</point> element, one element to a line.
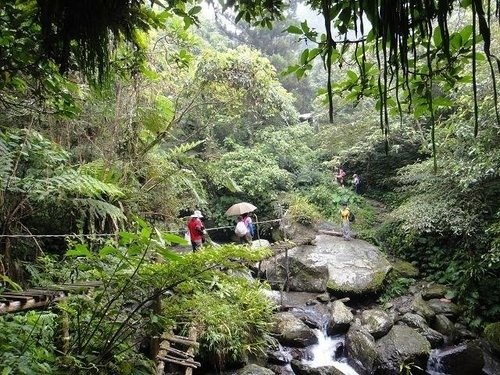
<point>323,353</point>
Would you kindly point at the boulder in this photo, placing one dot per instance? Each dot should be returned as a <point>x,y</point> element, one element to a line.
<point>435,338</point>
<point>445,326</point>
<point>457,360</point>
<point>254,370</point>
<point>257,244</point>
<point>463,333</point>
<point>377,322</point>
<point>360,347</point>
<point>324,297</point>
<point>341,267</point>
<point>420,307</point>
<point>492,335</point>
<point>291,331</point>
<point>431,291</point>
<point>402,345</point>
<point>444,307</point>
<point>340,318</point>
<point>300,368</point>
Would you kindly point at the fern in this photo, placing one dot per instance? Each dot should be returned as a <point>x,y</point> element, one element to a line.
<point>96,210</point>
<point>6,163</point>
<point>183,148</point>
<point>76,183</point>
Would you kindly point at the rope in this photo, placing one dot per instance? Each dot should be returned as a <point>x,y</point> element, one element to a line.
<point>113,234</point>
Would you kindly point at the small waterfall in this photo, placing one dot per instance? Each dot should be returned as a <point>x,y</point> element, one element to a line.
<point>323,353</point>
<point>434,366</point>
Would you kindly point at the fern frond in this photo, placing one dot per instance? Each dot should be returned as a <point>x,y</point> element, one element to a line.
<point>75,183</point>
<point>6,163</point>
<point>94,209</point>
<point>194,186</point>
<point>183,148</point>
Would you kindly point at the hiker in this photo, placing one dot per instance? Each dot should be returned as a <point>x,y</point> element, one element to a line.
<point>242,230</point>
<point>340,176</point>
<point>355,183</point>
<point>196,230</point>
<point>346,224</point>
<point>247,219</point>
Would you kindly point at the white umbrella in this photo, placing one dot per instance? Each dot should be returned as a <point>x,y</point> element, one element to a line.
<point>240,209</point>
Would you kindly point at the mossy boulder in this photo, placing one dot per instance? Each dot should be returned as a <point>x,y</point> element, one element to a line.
<point>331,264</point>
<point>401,345</point>
<point>360,346</point>
<point>492,335</point>
<point>377,322</point>
<point>254,370</point>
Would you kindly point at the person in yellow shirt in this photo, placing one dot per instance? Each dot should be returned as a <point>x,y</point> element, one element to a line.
<point>346,224</point>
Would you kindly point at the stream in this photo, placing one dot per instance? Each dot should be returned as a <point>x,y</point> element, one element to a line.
<point>329,352</point>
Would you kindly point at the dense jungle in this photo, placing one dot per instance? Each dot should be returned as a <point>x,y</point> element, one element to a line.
<point>121,118</point>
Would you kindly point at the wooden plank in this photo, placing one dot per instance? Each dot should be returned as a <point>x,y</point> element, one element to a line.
<point>16,306</point>
<point>15,297</point>
<point>193,335</point>
<point>178,361</point>
<point>179,353</point>
<point>179,340</point>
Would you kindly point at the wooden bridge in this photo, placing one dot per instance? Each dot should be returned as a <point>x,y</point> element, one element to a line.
<point>14,301</point>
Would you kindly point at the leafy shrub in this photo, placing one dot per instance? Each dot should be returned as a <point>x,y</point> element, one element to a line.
<point>302,211</point>
<point>27,343</point>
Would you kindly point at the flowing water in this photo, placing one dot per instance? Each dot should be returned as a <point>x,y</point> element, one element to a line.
<point>324,353</point>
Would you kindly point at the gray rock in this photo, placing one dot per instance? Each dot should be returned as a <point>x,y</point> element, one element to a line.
<point>414,321</point>
<point>444,307</point>
<point>291,331</point>
<point>462,359</point>
<point>340,318</point>
<point>341,267</point>
<point>433,291</point>
<point>463,333</point>
<point>401,345</point>
<point>254,370</point>
<point>257,244</point>
<point>360,347</point>
<point>324,297</point>
<point>404,269</point>
<point>377,322</point>
<point>420,307</point>
<point>435,338</point>
<point>300,368</point>
<point>445,326</point>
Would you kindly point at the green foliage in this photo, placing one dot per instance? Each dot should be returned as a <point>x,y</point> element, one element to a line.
<point>492,334</point>
<point>233,314</point>
<point>27,343</point>
<point>136,274</point>
<point>263,187</point>
<point>395,286</point>
<point>35,180</point>
<point>301,211</point>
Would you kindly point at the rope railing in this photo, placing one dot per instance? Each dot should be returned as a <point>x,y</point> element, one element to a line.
<point>74,235</point>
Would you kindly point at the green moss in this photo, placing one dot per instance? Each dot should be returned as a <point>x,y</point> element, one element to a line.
<point>404,269</point>
<point>375,285</point>
<point>378,280</point>
<point>492,334</point>
<point>333,287</point>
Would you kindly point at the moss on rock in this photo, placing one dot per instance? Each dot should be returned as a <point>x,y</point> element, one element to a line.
<point>492,334</point>
<point>404,269</point>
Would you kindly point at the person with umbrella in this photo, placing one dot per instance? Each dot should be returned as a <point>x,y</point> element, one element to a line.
<point>244,228</point>
<point>196,229</point>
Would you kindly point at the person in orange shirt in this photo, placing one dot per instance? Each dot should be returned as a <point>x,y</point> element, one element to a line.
<point>196,230</point>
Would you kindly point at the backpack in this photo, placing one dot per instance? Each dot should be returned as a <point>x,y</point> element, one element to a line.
<point>241,229</point>
<point>352,218</point>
